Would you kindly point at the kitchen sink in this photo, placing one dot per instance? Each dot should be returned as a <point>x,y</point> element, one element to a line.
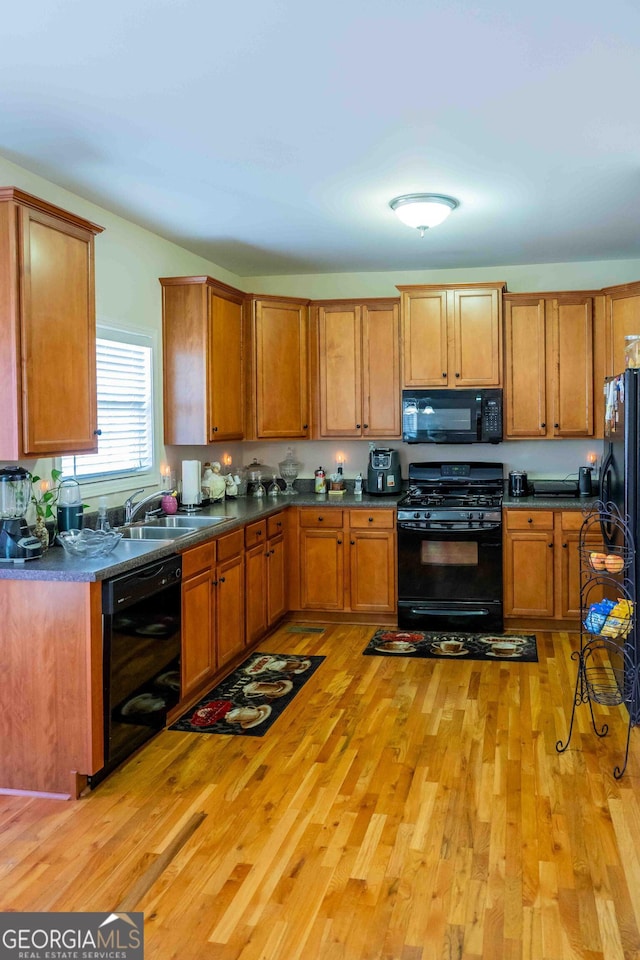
<point>173,522</point>
<point>149,531</point>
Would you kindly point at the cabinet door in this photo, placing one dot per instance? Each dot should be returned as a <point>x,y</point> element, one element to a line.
<point>572,366</point>
<point>340,371</point>
<point>529,574</point>
<point>424,334</point>
<point>230,609</point>
<point>568,556</point>
<point>198,653</point>
<point>281,370</point>
<point>372,557</point>
<point>58,335</point>
<point>321,569</point>
<point>381,370</point>
<point>256,592</point>
<point>226,393</point>
<point>276,588</point>
<point>622,318</point>
<point>525,368</point>
<point>475,353</point>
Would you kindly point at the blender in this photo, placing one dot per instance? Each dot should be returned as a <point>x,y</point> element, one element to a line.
<point>17,543</point>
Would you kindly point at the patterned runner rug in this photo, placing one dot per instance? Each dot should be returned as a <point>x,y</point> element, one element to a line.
<point>463,646</point>
<point>248,701</point>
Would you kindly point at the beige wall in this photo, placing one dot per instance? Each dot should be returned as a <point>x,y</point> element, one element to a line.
<point>519,279</point>
<point>129,260</point>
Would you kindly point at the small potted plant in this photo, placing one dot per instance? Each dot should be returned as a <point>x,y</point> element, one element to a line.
<point>44,495</point>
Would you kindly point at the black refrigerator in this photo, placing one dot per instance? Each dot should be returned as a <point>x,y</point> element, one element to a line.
<point>620,479</point>
<point>620,468</point>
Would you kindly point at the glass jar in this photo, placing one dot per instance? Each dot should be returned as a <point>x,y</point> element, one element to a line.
<point>632,351</point>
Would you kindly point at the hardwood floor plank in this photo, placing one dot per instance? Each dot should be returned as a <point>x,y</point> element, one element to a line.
<point>397,810</point>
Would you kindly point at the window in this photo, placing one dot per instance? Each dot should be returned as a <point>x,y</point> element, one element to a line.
<point>125,409</point>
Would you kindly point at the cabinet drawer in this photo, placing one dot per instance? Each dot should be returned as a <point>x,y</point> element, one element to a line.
<point>372,519</point>
<point>197,559</point>
<point>255,533</point>
<point>572,519</point>
<point>321,517</point>
<point>275,525</point>
<point>529,520</point>
<point>230,545</point>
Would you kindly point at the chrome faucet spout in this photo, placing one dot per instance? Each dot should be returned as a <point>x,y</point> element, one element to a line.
<point>131,508</point>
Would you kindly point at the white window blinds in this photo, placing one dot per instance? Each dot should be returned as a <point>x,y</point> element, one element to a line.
<point>125,411</point>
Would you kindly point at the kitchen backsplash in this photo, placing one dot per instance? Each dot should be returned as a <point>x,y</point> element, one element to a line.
<point>549,459</point>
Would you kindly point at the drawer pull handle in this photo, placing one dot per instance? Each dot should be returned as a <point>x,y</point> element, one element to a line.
<point>530,520</point>
<point>370,519</point>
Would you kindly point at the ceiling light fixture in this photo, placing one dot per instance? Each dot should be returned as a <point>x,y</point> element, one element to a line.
<point>423,210</point>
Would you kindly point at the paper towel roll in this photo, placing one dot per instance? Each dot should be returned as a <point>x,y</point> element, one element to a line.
<point>190,482</point>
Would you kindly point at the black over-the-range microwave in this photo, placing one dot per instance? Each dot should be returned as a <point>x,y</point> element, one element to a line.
<point>452,416</point>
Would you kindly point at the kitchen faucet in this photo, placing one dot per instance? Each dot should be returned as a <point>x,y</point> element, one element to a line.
<point>132,509</point>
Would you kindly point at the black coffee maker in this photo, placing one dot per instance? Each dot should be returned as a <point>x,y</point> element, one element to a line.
<point>383,474</point>
<point>585,487</point>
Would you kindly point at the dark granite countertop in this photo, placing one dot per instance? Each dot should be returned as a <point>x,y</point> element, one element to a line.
<point>549,503</point>
<point>129,554</point>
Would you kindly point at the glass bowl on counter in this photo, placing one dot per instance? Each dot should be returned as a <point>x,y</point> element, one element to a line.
<point>89,543</point>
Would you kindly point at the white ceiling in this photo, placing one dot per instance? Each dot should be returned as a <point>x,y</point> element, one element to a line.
<point>269,135</point>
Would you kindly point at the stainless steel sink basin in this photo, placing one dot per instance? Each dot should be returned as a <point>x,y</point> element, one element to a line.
<point>151,532</point>
<point>182,521</point>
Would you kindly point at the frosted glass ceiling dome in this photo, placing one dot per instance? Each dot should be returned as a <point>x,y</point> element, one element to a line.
<point>423,210</point>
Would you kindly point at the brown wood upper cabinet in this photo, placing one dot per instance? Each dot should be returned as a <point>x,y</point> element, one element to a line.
<point>47,329</point>
<point>358,358</point>
<point>202,360</point>
<point>622,318</point>
<point>278,358</point>
<point>452,335</point>
<point>549,365</point>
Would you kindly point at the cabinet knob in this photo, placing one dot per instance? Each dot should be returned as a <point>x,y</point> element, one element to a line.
<point>340,541</point>
<point>370,519</point>
<point>457,374</point>
<point>556,426</point>
<point>530,520</point>
<point>357,426</point>
<point>564,546</point>
<point>444,375</point>
<point>543,425</point>
<point>214,583</point>
<point>550,545</point>
<point>215,429</point>
<point>305,426</point>
<point>97,433</point>
<point>221,580</point>
<point>320,519</point>
<point>366,426</point>
<point>259,533</point>
<point>353,543</point>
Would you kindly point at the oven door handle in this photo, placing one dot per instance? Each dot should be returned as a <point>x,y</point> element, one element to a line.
<point>416,528</point>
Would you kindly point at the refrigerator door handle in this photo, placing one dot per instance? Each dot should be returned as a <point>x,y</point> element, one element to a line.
<point>605,495</point>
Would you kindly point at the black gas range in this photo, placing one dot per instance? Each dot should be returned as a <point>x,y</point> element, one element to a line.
<point>450,547</point>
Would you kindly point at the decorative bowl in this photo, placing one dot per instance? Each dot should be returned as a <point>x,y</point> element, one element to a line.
<point>89,543</point>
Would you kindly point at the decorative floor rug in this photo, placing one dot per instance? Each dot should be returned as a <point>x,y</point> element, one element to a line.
<point>454,646</point>
<point>248,701</point>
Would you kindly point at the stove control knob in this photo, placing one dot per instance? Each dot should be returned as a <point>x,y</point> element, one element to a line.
<point>469,516</point>
<point>416,516</point>
<point>481,515</point>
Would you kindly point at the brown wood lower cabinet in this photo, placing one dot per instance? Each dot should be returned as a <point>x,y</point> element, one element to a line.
<point>51,708</point>
<point>542,565</point>
<point>213,592</point>
<point>265,576</point>
<point>347,560</point>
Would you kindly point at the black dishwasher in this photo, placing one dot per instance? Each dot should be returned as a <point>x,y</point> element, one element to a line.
<point>141,657</point>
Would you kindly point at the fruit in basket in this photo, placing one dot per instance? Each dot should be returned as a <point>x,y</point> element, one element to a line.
<point>598,560</point>
<point>614,563</point>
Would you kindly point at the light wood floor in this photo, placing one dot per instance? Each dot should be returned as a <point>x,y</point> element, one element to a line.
<point>398,810</point>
